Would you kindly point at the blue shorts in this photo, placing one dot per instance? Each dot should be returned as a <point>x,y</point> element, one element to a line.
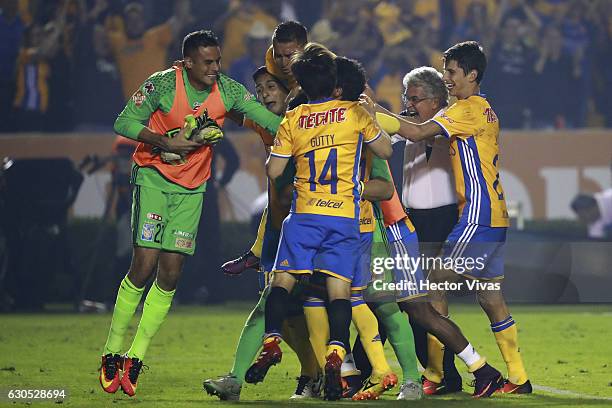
<point>363,274</point>
<point>334,241</point>
<point>476,251</point>
<point>408,275</point>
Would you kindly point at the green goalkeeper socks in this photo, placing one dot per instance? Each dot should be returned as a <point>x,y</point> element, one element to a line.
<point>128,298</point>
<point>250,339</point>
<point>401,338</point>
<point>157,304</point>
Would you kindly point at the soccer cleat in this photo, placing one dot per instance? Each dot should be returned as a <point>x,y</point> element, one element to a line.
<point>374,387</point>
<point>131,369</point>
<point>270,355</point>
<point>351,384</point>
<point>410,391</point>
<point>226,387</point>
<point>333,377</point>
<point>308,387</point>
<point>236,266</point>
<point>511,388</point>
<point>444,387</point>
<point>430,387</point>
<point>487,381</point>
<point>110,371</point>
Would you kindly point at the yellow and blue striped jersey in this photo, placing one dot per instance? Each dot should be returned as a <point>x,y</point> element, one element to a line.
<point>325,138</point>
<point>473,129</point>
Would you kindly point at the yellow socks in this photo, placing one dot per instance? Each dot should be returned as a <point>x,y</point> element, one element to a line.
<point>506,336</point>
<point>337,348</point>
<point>257,245</point>
<point>367,327</point>
<point>318,327</point>
<point>435,354</point>
<point>295,334</point>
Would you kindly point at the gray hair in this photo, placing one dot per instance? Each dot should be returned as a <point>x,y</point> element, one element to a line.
<point>430,80</point>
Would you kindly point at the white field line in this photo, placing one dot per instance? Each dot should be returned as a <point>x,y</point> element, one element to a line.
<point>557,391</point>
<point>542,388</point>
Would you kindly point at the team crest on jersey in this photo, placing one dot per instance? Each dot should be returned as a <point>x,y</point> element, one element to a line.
<point>149,88</point>
<point>147,232</point>
<point>139,98</point>
<point>491,116</point>
<point>196,105</point>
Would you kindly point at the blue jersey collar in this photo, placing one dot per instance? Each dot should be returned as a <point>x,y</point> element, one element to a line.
<point>323,100</point>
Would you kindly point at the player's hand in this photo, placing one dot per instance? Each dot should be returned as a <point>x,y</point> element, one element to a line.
<point>368,104</point>
<point>206,130</point>
<point>179,144</point>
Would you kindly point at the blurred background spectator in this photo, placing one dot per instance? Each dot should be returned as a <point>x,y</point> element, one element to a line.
<point>257,43</point>
<point>71,63</point>
<point>68,66</point>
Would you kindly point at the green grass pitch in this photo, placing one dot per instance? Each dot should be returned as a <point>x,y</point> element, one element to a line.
<point>567,351</point>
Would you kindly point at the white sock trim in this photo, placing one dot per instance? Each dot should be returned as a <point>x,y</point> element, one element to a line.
<point>348,365</point>
<point>469,355</point>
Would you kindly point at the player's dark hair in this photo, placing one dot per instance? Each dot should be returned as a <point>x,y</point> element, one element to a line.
<point>469,55</point>
<point>197,39</point>
<point>351,78</point>
<point>289,31</point>
<point>264,71</point>
<point>314,69</point>
<point>583,202</point>
<point>300,99</point>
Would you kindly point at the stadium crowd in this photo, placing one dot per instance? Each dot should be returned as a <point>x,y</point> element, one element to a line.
<point>71,64</point>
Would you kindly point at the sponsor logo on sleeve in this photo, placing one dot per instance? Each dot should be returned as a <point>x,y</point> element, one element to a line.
<point>148,231</point>
<point>139,98</point>
<point>149,88</point>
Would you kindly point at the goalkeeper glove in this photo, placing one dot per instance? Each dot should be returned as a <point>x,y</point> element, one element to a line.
<point>206,130</point>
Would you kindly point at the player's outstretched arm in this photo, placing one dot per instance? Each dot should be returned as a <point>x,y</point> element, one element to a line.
<point>377,189</point>
<point>395,124</point>
<point>414,132</point>
<point>275,166</point>
<point>382,146</point>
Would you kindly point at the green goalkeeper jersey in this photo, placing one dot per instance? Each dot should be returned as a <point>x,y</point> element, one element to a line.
<point>158,93</point>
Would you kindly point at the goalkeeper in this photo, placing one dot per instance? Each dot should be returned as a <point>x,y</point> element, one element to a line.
<point>169,177</point>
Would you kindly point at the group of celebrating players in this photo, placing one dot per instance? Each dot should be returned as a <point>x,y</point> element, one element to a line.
<point>332,208</point>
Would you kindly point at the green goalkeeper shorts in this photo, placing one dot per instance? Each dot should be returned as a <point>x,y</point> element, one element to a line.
<point>166,221</point>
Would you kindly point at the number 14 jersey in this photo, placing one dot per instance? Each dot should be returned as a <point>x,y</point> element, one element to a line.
<point>325,138</point>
